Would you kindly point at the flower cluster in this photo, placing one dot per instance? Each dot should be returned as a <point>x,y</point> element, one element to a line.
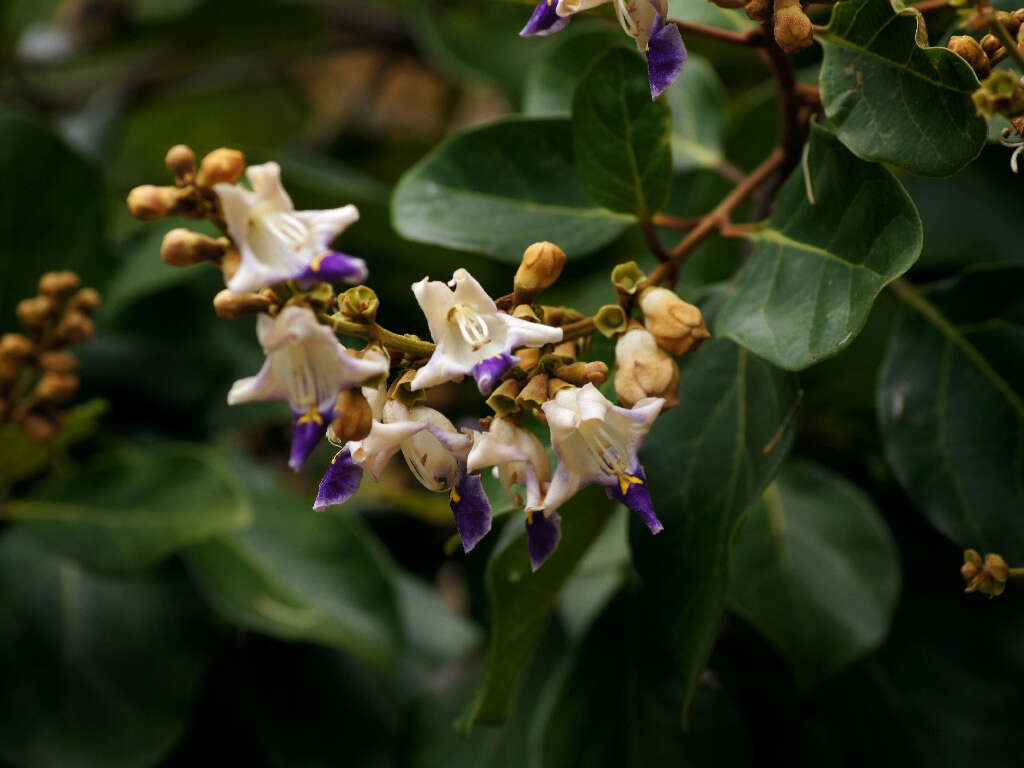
<point>37,372</point>
<point>524,357</point>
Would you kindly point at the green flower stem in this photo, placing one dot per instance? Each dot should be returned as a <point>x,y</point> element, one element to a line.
<point>407,344</point>
<point>1017,573</point>
<point>584,327</point>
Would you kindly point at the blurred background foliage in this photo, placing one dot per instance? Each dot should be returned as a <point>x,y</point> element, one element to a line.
<point>166,603</point>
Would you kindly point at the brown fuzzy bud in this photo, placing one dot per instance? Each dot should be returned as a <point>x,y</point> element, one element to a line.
<point>575,374</point>
<point>58,285</point>
<point>355,417</point>
<point>597,372</point>
<point>232,306</point>
<point>643,369</point>
<point>181,161</point>
<point>152,202</point>
<point>58,362</point>
<point>793,30</point>
<point>86,300</point>
<point>75,327</point>
<point>37,428</point>
<point>56,387</point>
<point>9,368</point>
<point>758,10</point>
<point>222,166</point>
<point>36,313</point>
<point>541,266</point>
<point>989,44</point>
<point>17,347</point>
<point>185,248</point>
<point>676,325</point>
<point>970,50</point>
<point>986,576</point>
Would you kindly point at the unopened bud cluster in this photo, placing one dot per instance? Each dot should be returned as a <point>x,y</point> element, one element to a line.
<point>791,27</point>
<point>987,576</point>
<point>37,373</point>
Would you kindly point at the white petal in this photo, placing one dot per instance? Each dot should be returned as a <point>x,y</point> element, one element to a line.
<point>489,450</point>
<point>564,486</point>
<point>235,203</point>
<point>326,225</point>
<point>562,421</point>
<point>429,461</point>
<point>435,299</point>
<point>266,180</point>
<point>374,451</point>
<point>523,333</point>
<point>262,386</point>
<point>439,369</point>
<point>469,291</point>
<point>592,404</point>
<point>569,7</point>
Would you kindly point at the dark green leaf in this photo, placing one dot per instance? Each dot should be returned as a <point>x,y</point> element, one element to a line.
<point>706,460</point>
<point>132,509</point>
<point>949,400</point>
<point>893,101</point>
<point>552,78</point>
<point>97,671</point>
<point>521,601</point>
<point>815,570</point>
<point>700,12</point>
<point>20,458</point>
<point>498,188</point>
<point>298,575</point>
<point>815,269</point>
<point>697,100</point>
<point>621,138</point>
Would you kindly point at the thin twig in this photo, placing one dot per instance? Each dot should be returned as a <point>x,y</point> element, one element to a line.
<point>653,243</point>
<point>668,221</point>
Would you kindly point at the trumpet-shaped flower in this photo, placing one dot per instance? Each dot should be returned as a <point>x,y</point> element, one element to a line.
<point>278,243</point>
<point>307,367</point>
<point>434,450</point>
<point>643,20</point>
<point>472,336</point>
<point>596,442</point>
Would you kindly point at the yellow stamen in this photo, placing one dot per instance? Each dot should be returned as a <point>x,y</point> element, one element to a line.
<point>312,415</point>
<point>627,480</point>
<point>454,496</point>
<point>529,517</point>
<point>315,264</point>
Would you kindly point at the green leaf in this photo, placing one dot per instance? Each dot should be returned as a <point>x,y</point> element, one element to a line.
<point>701,12</point>
<point>706,460</point>
<point>434,632</point>
<point>521,601</point>
<point>53,217</point>
<point>893,101</point>
<point>498,188</point>
<point>949,400</point>
<point>815,270</point>
<point>20,458</point>
<point>132,509</point>
<point>621,138</point>
<point>97,671</point>
<point>697,100</point>
<point>815,570</point>
<point>552,78</point>
<point>298,575</point>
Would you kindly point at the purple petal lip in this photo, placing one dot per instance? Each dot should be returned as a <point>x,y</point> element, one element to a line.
<point>666,56</point>
<point>307,430</point>
<point>637,497</point>
<point>544,20</point>
<point>542,536</point>
<point>340,481</point>
<point>472,510</point>
<point>488,372</point>
<point>334,267</point>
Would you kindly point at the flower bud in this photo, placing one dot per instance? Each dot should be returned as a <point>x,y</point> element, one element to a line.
<point>610,319</point>
<point>36,313</point>
<point>758,10</point>
<point>503,400</point>
<point>566,349</point>
<point>74,328</point>
<point>528,357</point>
<point>597,372</point>
<point>626,277</point>
<point>541,266</point>
<point>971,51</point>
<point>793,30</point>
<point>643,369</point>
<point>359,303</point>
<point>56,387</point>
<point>152,202</point>
<point>987,577</point>
<point>9,368</point>
<point>989,44</point>
<point>222,166</point>
<point>355,417</point>
<point>58,362</point>
<point>676,325</point>
<point>37,428</point>
<point>181,161</point>
<point>17,347</point>
<point>184,248</point>
<point>58,285</point>
<point>232,306</point>
<point>575,374</point>
<point>86,300</point>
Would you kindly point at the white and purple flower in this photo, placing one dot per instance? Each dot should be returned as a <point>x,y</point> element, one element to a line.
<point>596,442</point>
<point>308,368</point>
<point>472,336</point>
<point>278,243</point>
<point>643,20</point>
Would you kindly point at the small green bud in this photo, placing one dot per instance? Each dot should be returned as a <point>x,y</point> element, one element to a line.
<point>610,320</point>
<point>360,304</point>
<point>626,277</point>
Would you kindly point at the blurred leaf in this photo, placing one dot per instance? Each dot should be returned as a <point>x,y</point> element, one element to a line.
<point>298,575</point>
<point>815,569</point>
<point>432,629</point>
<point>949,400</point>
<point>20,458</point>
<point>552,77</point>
<point>52,216</point>
<point>706,460</point>
<point>521,601</point>
<point>701,12</point>
<point>97,671</point>
<point>498,188</point>
<point>132,509</point>
<point>697,100</point>
<point>621,137</point>
<point>893,101</point>
<point>619,705</point>
<point>815,270</point>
